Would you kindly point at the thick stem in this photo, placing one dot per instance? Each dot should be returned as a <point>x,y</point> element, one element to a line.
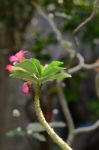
<point>49,130</point>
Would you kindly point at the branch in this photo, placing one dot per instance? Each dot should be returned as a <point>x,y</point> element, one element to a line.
<point>82,65</point>
<point>50,21</point>
<point>87,129</point>
<point>49,130</point>
<point>65,109</point>
<point>80,26</point>
<point>62,41</point>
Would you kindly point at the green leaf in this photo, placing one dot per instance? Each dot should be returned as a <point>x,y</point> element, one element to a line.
<point>15,132</point>
<point>22,75</point>
<point>55,76</point>
<point>56,63</point>
<point>29,66</point>
<point>38,66</point>
<point>35,127</point>
<point>39,137</point>
<point>50,70</point>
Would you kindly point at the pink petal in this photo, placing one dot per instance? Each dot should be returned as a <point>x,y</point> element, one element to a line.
<point>13,58</point>
<point>20,55</point>
<point>25,87</point>
<point>10,68</point>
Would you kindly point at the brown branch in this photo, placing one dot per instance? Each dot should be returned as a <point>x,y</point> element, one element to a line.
<point>65,109</point>
<point>50,21</point>
<point>80,65</point>
<point>87,129</point>
<point>80,26</point>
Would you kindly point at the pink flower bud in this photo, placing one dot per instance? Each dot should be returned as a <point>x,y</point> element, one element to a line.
<point>13,58</point>
<point>10,68</point>
<point>19,56</point>
<point>25,87</point>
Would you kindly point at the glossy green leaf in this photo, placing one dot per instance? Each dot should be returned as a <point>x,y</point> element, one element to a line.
<point>38,66</point>
<point>29,66</point>
<point>51,70</point>
<point>22,75</point>
<point>56,63</point>
<point>55,76</point>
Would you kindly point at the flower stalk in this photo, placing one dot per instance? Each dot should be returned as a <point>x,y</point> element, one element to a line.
<point>49,130</point>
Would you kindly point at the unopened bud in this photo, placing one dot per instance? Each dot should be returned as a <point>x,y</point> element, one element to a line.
<point>16,113</point>
<point>55,111</point>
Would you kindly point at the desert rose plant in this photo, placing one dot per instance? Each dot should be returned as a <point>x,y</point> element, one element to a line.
<point>33,73</point>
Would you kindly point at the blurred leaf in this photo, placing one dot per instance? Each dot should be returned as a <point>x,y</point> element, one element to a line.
<point>39,137</point>
<point>37,127</point>
<point>15,132</point>
<point>94,104</point>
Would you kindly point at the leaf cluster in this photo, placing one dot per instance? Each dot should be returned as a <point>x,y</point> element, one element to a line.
<point>34,129</point>
<point>32,70</point>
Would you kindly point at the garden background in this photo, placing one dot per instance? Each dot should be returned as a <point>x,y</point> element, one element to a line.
<point>47,30</point>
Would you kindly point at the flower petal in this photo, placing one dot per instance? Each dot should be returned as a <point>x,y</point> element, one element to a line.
<point>13,58</point>
<point>25,88</point>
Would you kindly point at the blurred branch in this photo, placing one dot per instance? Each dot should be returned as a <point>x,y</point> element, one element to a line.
<point>50,21</point>
<point>58,34</point>
<point>87,129</point>
<point>65,109</point>
<point>80,26</point>
<point>81,64</point>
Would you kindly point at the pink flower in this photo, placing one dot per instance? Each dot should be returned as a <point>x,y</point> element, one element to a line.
<point>26,87</point>
<point>10,68</point>
<point>19,56</point>
<point>13,58</point>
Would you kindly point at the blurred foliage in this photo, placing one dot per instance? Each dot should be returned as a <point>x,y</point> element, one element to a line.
<point>75,12</point>
<point>34,129</point>
<point>15,14</point>
<point>94,107</point>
